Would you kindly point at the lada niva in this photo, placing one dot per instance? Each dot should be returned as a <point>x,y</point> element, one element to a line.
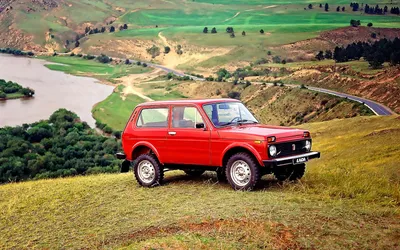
<point>211,135</point>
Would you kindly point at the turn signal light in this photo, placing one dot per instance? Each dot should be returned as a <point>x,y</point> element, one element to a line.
<point>271,139</point>
<point>306,134</point>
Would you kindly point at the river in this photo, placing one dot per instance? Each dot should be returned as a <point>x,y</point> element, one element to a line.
<point>53,90</point>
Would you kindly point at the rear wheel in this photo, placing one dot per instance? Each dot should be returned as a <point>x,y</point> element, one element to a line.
<point>194,172</point>
<point>242,172</point>
<point>148,171</point>
<point>291,173</point>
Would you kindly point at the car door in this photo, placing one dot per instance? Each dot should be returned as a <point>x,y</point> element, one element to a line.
<point>188,139</point>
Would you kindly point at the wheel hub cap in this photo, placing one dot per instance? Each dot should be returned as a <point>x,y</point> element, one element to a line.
<point>240,173</point>
<point>146,171</point>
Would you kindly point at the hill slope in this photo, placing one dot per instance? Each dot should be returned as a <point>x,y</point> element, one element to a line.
<point>348,199</point>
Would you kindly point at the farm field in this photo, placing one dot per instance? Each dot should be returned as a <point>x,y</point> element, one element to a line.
<point>348,199</point>
<point>79,66</point>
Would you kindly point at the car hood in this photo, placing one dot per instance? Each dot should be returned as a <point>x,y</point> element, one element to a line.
<point>256,131</point>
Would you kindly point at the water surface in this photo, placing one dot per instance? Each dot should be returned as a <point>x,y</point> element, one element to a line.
<point>53,90</point>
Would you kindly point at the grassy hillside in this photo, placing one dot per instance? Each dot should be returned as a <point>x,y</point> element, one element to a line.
<point>48,25</point>
<point>348,199</point>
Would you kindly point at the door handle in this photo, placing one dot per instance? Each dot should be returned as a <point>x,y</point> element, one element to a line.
<point>172,133</point>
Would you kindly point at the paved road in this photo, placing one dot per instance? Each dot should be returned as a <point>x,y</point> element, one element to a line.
<point>375,107</point>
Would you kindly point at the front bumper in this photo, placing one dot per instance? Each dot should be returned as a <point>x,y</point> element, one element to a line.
<point>290,160</point>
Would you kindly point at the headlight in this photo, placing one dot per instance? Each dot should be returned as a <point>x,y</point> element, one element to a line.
<point>308,145</point>
<point>272,150</point>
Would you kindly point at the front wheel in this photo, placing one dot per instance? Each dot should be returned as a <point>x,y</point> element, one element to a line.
<point>242,172</point>
<point>148,171</point>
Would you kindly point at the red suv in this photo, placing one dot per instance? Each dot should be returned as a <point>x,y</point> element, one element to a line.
<point>216,135</point>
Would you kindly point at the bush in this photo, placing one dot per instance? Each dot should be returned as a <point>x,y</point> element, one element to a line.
<point>154,51</point>
<point>103,59</point>
<point>108,130</point>
<point>72,54</point>
<point>167,49</point>
<point>138,63</point>
<point>2,94</point>
<point>234,95</point>
<point>144,65</point>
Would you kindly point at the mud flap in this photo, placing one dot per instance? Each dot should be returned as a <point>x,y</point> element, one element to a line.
<point>126,165</point>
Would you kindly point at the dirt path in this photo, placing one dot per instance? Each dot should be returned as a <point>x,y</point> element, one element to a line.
<point>237,14</point>
<point>163,39</point>
<point>130,81</point>
<point>266,7</point>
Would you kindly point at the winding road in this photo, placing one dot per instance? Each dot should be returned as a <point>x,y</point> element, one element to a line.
<point>377,108</point>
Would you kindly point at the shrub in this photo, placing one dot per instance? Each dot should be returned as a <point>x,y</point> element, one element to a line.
<point>234,95</point>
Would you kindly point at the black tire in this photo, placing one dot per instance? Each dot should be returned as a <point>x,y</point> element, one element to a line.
<point>290,173</point>
<point>156,174</point>
<point>221,174</point>
<point>251,168</point>
<point>194,172</point>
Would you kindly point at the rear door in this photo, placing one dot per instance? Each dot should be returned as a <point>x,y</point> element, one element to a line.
<point>152,126</point>
<point>188,139</point>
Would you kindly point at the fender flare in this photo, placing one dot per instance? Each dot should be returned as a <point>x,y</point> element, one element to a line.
<point>146,144</point>
<point>247,146</point>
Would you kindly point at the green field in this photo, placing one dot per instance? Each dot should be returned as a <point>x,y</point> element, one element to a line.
<point>115,111</point>
<point>80,66</point>
<point>348,199</point>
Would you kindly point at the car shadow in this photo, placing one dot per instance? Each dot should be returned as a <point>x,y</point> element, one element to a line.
<point>210,177</point>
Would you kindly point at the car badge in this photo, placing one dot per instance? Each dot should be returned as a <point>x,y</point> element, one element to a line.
<point>293,147</point>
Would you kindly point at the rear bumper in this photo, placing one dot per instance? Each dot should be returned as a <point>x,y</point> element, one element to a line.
<point>289,160</point>
<point>120,156</point>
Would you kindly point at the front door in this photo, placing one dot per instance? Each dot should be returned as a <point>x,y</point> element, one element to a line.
<point>188,140</point>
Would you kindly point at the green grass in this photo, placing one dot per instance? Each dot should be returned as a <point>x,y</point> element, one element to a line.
<point>79,66</point>
<point>348,199</point>
<point>115,111</point>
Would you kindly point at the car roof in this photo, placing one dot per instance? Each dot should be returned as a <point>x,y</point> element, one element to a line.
<point>188,101</point>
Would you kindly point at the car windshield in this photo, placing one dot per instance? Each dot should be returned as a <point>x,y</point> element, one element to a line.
<point>228,113</point>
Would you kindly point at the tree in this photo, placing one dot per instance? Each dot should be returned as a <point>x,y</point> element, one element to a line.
<point>376,60</point>
<point>205,30</point>
<point>338,9</point>
<point>28,92</point>
<point>229,30</point>
<point>320,56</point>
<point>144,65</point>
<point>310,6</point>
<point>276,59</point>
<point>67,42</point>
<point>373,35</point>
<point>104,59</point>
<point>328,54</point>
<point>243,33</point>
<point>77,44</point>
<point>125,26</point>
<point>261,31</point>
<point>167,49</point>
<point>343,8</point>
<point>354,23</point>
<point>232,35</point>
<point>214,30</point>
<point>103,29</point>
<point>283,61</point>
<point>320,5</point>
<point>87,29</point>
<point>326,7</point>
<point>369,24</point>
<point>112,29</point>
<point>234,95</point>
<point>2,95</point>
<point>269,53</point>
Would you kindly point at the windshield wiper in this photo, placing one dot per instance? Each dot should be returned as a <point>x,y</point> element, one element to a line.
<point>246,121</point>
<point>238,122</point>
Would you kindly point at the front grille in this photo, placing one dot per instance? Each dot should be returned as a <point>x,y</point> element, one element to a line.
<point>285,149</point>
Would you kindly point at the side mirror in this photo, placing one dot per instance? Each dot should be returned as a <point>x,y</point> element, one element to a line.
<point>200,125</point>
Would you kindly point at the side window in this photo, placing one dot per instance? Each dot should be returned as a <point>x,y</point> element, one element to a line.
<point>153,118</point>
<point>185,117</point>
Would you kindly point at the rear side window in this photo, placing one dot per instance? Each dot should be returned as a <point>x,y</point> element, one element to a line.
<point>153,118</point>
